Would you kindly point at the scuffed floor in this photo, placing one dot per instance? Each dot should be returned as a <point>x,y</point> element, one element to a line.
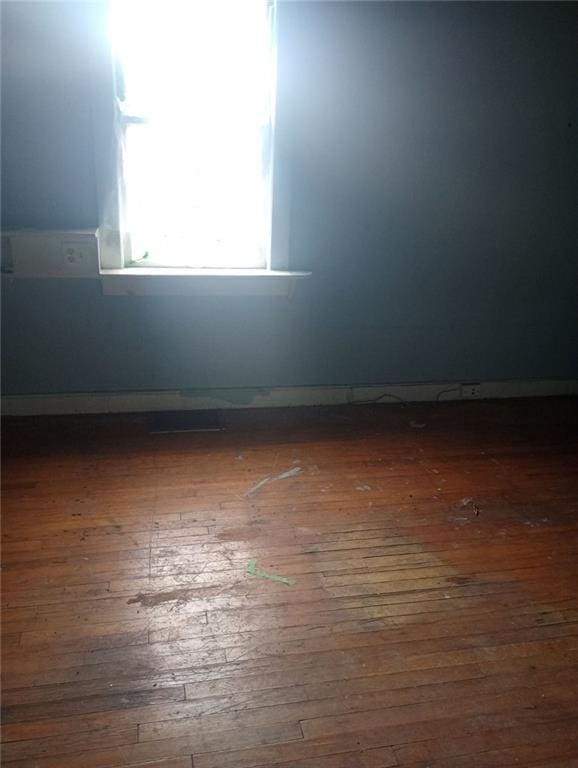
<point>425,610</point>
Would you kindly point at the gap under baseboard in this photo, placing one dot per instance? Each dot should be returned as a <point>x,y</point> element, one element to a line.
<point>278,397</point>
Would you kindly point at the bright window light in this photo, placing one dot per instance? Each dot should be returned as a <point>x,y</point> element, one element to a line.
<point>196,89</point>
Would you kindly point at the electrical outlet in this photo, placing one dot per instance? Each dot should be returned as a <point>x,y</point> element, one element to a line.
<point>40,253</point>
<point>74,254</point>
<point>470,391</point>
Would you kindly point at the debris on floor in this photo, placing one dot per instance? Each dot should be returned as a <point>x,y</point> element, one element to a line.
<point>271,479</point>
<point>466,501</point>
<point>254,571</point>
<point>459,520</point>
<point>417,424</point>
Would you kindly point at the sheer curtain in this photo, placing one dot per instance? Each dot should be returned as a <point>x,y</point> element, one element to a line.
<point>195,82</point>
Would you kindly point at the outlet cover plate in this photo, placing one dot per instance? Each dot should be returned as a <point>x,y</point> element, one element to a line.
<point>471,391</point>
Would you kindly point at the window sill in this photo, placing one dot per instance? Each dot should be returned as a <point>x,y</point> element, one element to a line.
<point>140,281</point>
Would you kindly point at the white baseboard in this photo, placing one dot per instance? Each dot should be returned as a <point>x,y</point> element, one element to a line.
<point>206,399</point>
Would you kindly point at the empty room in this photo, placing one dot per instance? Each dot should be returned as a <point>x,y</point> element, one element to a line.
<point>289,384</point>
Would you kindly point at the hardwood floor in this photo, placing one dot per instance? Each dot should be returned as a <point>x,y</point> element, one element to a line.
<point>433,620</point>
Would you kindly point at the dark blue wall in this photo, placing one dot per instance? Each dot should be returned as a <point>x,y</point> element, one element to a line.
<point>432,154</point>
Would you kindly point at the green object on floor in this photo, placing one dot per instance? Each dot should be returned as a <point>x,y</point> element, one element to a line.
<point>254,571</point>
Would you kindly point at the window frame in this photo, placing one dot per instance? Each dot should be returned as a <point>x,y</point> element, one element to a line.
<point>113,238</point>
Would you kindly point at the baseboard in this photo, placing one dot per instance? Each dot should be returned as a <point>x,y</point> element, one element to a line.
<point>277,397</point>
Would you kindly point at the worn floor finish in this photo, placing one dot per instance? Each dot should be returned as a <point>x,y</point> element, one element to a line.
<point>433,622</point>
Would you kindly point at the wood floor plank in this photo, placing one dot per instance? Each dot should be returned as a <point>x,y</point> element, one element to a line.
<point>506,738</point>
<point>62,745</point>
<point>433,618</point>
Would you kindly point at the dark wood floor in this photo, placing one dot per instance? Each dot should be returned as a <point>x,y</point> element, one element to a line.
<point>433,622</point>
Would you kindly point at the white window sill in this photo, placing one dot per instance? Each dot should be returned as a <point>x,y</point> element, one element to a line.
<point>161,281</point>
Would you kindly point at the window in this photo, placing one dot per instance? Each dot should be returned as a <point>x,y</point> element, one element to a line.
<point>195,103</point>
